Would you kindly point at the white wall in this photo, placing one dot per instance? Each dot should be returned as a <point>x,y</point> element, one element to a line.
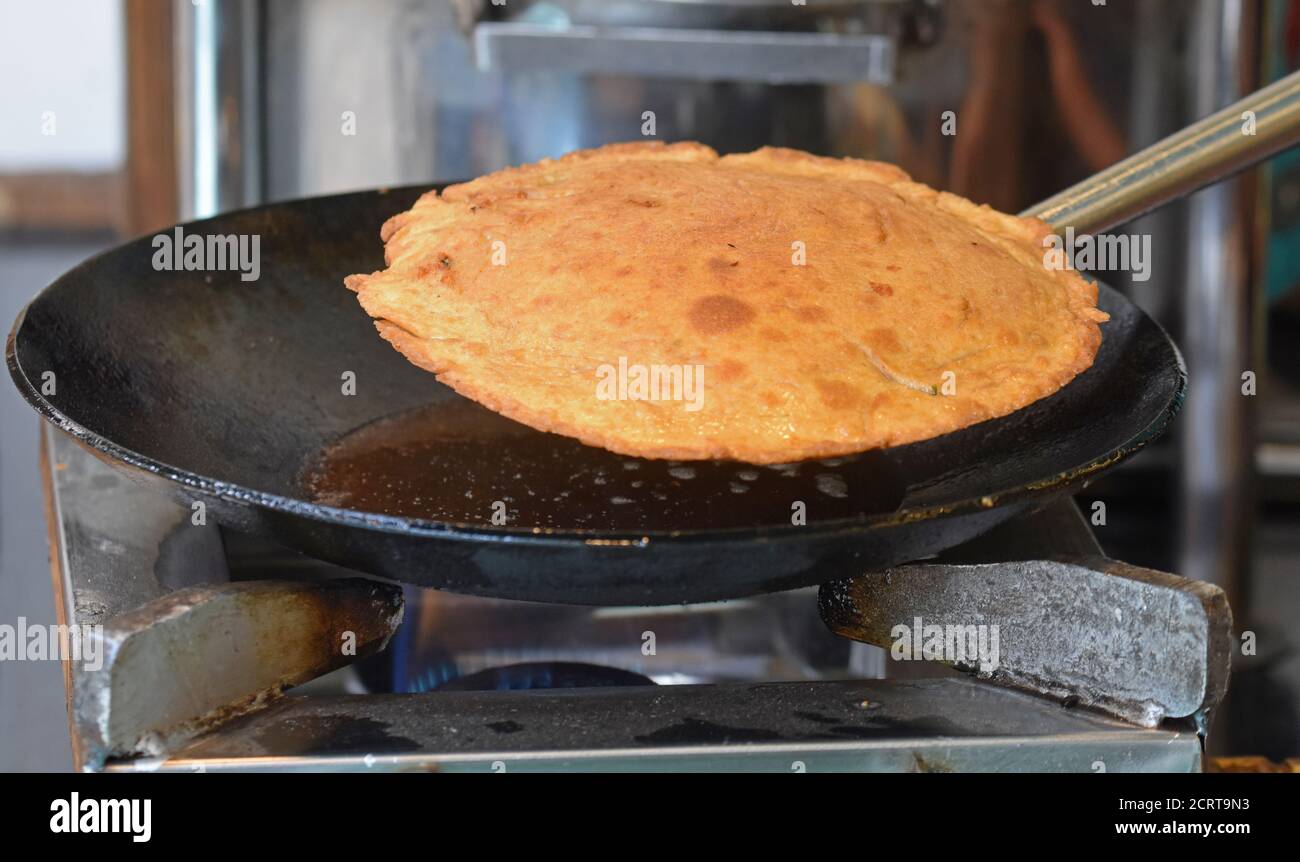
<point>66,57</point>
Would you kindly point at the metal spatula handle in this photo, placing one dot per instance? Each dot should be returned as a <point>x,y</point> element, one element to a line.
<point>1201,154</point>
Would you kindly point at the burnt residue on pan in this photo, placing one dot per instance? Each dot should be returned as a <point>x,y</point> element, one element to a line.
<point>456,461</point>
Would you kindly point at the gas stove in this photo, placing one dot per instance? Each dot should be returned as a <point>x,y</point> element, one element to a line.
<point>224,652</point>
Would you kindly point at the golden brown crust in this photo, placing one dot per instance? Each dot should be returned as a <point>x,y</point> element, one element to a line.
<point>517,287</point>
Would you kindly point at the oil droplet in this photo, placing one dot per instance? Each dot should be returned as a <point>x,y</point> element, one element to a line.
<point>832,485</point>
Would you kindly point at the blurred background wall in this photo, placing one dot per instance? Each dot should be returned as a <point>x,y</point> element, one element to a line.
<point>62,149</point>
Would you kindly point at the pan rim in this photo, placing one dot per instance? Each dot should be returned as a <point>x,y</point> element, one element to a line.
<point>188,482</point>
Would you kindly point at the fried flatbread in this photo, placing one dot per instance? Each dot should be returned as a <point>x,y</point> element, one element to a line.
<point>819,306</point>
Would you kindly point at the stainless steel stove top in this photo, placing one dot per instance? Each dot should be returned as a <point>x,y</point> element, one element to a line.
<point>203,630</point>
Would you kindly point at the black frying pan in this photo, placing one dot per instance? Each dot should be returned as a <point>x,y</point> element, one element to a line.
<point>229,392</point>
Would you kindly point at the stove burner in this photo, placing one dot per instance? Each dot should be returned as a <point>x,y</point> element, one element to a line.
<point>545,674</point>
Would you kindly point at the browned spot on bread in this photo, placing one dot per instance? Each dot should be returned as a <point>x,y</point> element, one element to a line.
<point>884,341</point>
<point>879,288</point>
<point>810,313</point>
<point>434,267</point>
<point>720,313</point>
<point>837,395</point>
<point>718,264</point>
<point>729,370</point>
<point>770,334</point>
